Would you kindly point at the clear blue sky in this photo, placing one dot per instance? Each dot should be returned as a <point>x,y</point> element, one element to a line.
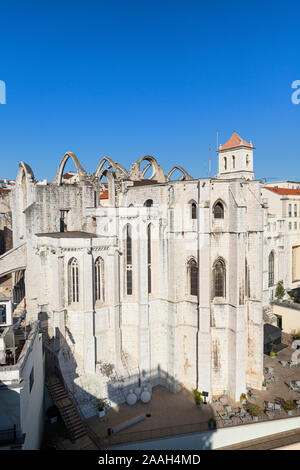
<point>129,78</point>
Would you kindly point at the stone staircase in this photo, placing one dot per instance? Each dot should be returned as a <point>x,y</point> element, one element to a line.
<point>68,412</point>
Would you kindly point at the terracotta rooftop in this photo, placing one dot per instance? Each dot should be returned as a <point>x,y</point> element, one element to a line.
<point>284,191</point>
<point>4,190</point>
<point>235,141</point>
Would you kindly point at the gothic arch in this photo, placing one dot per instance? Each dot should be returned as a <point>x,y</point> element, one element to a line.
<point>185,177</point>
<point>118,169</point>
<point>157,171</point>
<point>104,172</point>
<point>81,172</point>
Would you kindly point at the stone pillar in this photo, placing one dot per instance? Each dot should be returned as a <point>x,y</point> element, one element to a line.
<point>144,346</point>
<point>86,284</point>
<point>204,289</point>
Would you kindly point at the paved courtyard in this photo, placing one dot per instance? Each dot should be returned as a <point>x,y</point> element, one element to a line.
<point>169,414</point>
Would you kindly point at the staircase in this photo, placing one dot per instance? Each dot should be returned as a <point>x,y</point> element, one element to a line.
<point>68,412</point>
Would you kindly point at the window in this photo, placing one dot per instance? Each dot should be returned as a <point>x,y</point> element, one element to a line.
<point>247,160</point>
<point>148,203</point>
<point>225,163</point>
<point>290,225</point>
<point>295,225</point>
<point>73,281</point>
<point>193,277</point>
<point>31,379</point>
<point>295,210</point>
<point>290,210</point>
<point>149,257</point>
<point>99,279</point>
<point>2,314</point>
<point>128,260</point>
<point>218,211</point>
<point>247,280</point>
<point>63,221</point>
<point>194,210</point>
<point>233,161</point>
<point>271,269</point>
<point>219,277</point>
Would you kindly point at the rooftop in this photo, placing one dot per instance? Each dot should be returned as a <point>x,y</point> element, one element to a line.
<point>67,235</point>
<point>235,141</point>
<point>284,191</point>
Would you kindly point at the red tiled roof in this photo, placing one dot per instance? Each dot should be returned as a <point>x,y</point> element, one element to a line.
<point>284,191</point>
<point>235,141</point>
<point>4,191</point>
<point>104,194</point>
<point>67,176</point>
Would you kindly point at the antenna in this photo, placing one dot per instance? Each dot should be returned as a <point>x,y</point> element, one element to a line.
<point>209,162</point>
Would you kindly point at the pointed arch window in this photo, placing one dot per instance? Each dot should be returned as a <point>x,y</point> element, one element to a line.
<point>148,203</point>
<point>149,258</point>
<point>73,281</point>
<point>271,269</point>
<point>193,277</point>
<point>194,210</point>
<point>128,260</point>
<point>219,278</point>
<point>218,210</point>
<point>225,163</point>
<point>99,279</point>
<point>233,161</point>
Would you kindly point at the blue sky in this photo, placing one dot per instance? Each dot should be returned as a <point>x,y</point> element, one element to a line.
<point>131,78</point>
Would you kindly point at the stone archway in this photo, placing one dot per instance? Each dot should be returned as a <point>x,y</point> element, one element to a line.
<point>81,172</point>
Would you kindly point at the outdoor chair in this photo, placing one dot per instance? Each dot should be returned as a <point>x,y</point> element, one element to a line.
<point>283,363</point>
<point>229,411</point>
<point>270,406</point>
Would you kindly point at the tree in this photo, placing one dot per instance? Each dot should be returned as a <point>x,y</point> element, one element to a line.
<point>280,291</point>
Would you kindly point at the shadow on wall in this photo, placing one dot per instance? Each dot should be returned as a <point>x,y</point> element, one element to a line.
<point>127,423</point>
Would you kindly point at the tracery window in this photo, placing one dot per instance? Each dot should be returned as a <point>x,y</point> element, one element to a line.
<point>218,210</point>
<point>194,210</point>
<point>219,279</point>
<point>128,260</point>
<point>99,279</point>
<point>193,277</point>
<point>73,280</point>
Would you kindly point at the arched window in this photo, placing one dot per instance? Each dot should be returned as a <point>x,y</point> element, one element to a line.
<point>148,203</point>
<point>225,163</point>
<point>194,210</point>
<point>73,281</point>
<point>99,279</point>
<point>218,210</point>
<point>219,279</point>
<point>271,269</point>
<point>193,277</point>
<point>233,161</point>
<point>128,259</point>
<point>247,280</point>
<point>149,257</point>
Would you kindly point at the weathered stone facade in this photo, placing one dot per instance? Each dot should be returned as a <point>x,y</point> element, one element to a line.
<point>160,323</point>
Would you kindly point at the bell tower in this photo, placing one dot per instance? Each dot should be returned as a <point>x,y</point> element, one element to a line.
<point>236,158</point>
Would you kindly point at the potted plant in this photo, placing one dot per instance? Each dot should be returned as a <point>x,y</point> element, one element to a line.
<point>243,398</point>
<point>101,405</point>
<point>255,411</point>
<point>198,398</point>
<point>289,406</point>
<point>280,291</point>
<point>264,385</point>
<point>52,414</point>
<point>212,424</point>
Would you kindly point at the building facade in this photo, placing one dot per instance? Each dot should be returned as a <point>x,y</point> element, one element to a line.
<point>146,279</point>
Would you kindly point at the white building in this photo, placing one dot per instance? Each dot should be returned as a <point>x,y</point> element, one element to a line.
<point>21,389</point>
<point>282,237</point>
<point>146,279</point>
